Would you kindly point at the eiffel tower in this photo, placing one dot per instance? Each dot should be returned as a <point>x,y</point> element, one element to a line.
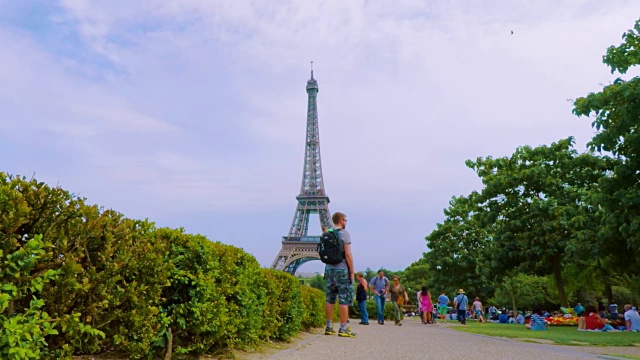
<point>297,247</point>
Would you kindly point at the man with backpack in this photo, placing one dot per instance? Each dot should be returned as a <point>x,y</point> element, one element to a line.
<point>460,304</point>
<point>335,251</point>
<point>380,285</point>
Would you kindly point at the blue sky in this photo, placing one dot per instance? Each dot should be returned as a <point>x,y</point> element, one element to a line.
<point>192,113</point>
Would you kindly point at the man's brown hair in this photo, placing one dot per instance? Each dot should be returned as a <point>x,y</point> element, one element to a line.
<point>337,216</point>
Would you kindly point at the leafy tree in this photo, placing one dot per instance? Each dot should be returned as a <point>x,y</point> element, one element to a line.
<point>455,248</point>
<point>369,274</point>
<point>535,201</point>
<point>616,118</point>
<point>522,291</point>
<point>317,282</point>
<point>416,275</point>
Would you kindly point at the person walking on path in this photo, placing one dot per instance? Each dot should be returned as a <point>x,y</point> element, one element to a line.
<point>398,297</point>
<point>418,296</point>
<point>339,279</point>
<point>443,302</point>
<point>460,304</point>
<point>380,285</point>
<point>426,306</point>
<point>477,308</point>
<point>361,298</point>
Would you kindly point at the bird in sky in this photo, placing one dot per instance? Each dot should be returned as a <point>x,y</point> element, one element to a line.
<point>511,32</point>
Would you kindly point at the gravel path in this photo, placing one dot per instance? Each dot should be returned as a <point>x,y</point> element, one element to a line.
<point>416,341</point>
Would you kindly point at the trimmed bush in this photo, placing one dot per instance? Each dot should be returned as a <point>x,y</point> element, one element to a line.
<point>23,331</point>
<point>77,279</point>
<point>110,272</point>
<point>313,307</point>
<point>283,309</point>
<point>215,298</point>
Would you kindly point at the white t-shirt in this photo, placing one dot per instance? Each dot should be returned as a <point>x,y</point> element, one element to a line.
<point>634,317</point>
<point>477,305</point>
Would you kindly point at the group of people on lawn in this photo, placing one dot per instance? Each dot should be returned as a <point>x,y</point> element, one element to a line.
<point>588,319</point>
<point>593,318</point>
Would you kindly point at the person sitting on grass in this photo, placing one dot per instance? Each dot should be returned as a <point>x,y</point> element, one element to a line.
<point>537,320</point>
<point>493,313</point>
<point>613,310</point>
<point>519,318</point>
<point>593,320</point>
<point>503,318</point>
<point>632,318</point>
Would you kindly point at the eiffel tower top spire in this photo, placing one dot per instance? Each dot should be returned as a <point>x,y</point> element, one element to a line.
<point>312,70</point>
<point>312,84</point>
<point>312,181</point>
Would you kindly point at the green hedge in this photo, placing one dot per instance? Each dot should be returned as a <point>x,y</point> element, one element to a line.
<point>283,312</point>
<point>109,272</point>
<point>313,301</point>
<point>77,279</point>
<point>214,297</point>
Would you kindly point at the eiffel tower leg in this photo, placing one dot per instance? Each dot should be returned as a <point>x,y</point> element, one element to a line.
<point>325,218</point>
<point>279,261</point>
<point>299,220</point>
<point>305,226</point>
<point>295,253</point>
<point>294,265</point>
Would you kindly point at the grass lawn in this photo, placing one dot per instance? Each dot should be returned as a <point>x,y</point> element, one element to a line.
<point>564,335</point>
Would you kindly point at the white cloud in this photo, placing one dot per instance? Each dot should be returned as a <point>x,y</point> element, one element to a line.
<point>201,105</point>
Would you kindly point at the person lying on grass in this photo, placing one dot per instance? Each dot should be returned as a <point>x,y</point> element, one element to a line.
<point>537,320</point>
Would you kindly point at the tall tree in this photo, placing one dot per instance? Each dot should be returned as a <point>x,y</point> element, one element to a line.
<point>616,118</point>
<point>531,199</point>
<point>455,248</point>
<point>522,291</point>
<point>416,275</point>
<point>317,282</point>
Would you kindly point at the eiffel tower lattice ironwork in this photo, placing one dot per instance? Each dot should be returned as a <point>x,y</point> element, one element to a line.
<point>298,247</point>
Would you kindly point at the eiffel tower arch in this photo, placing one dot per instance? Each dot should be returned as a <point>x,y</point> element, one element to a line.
<point>297,247</point>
